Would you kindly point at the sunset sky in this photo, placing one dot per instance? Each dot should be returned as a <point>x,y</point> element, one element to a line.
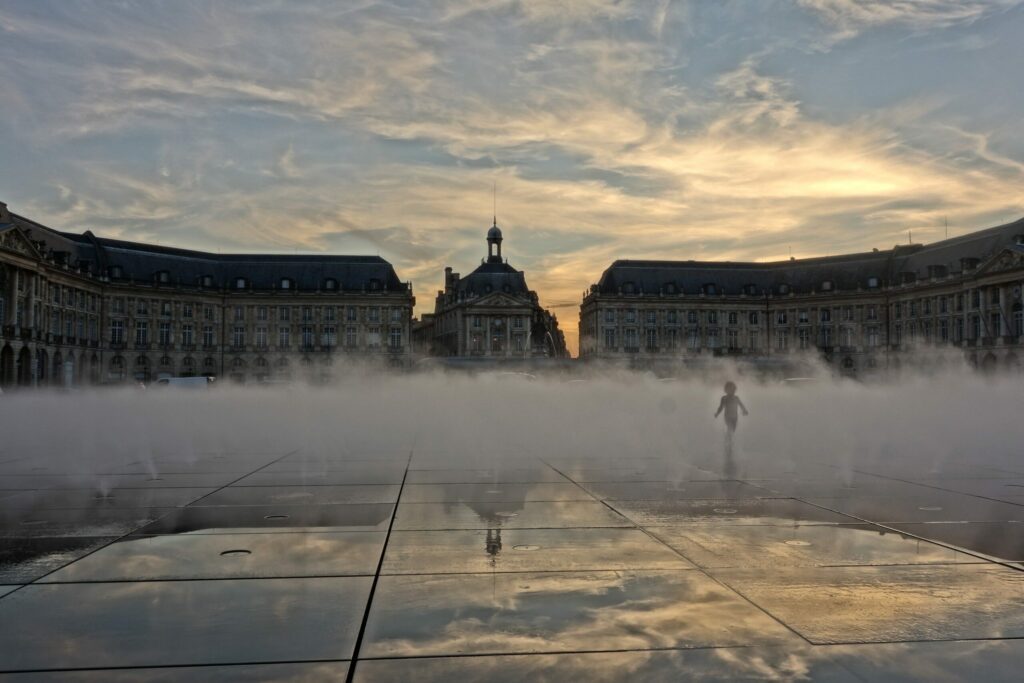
<point>613,129</point>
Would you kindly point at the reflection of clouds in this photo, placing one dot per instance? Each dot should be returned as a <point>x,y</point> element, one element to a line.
<point>560,611</point>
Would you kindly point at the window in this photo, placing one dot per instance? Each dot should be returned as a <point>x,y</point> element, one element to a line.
<point>803,317</point>
<point>825,337</point>
<point>826,315</point>
<point>803,338</point>
<point>926,307</point>
<point>350,336</point>
<point>671,338</point>
<point>208,340</point>
<point>116,331</point>
<point>994,295</point>
<point>517,322</point>
<point>848,314</point>
<point>307,337</point>
<point>693,340</point>
<point>712,317</point>
<point>262,313</point>
<point>781,339</point>
<point>166,308</point>
<point>845,336</point>
<point>373,314</point>
<point>396,315</point>
<point>609,338</point>
<point>261,337</point>
<point>329,336</point>
<point>208,313</point>
<point>286,283</point>
<point>958,329</point>
<point>975,298</point>
<point>781,318</point>
<point>872,283</point>
<point>651,342</point>
<point>944,330</point>
<point>1018,320</point>
<point>753,340</point>
<point>186,310</point>
<point>141,332</point>
<point>631,315</point>
<point>395,340</point>
<point>117,305</point>
<point>237,337</point>
<point>329,314</point>
<point>713,338</point>
<point>518,343</point>
<point>373,338</point>
<point>330,284</point>
<point>753,318</point>
<point>187,335</point>
<point>283,337</point>
<point>943,304</point>
<point>732,339</point>
<point>733,318</point>
<point>631,343</point>
<point>207,281</point>
<point>239,283</point>
<point>163,277</point>
<point>609,315</point>
<point>672,317</point>
<point>652,317</point>
<point>913,309</point>
<point>872,313</point>
<point>239,313</point>
<point>164,333</point>
<point>141,307</point>
<point>691,317</point>
<point>351,314</point>
<point>284,313</point>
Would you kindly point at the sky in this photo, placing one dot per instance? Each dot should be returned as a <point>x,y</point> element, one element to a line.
<point>610,129</point>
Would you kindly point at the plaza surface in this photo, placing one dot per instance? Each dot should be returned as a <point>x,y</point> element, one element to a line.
<point>504,567</point>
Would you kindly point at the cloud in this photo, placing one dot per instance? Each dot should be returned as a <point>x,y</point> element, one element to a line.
<point>612,129</point>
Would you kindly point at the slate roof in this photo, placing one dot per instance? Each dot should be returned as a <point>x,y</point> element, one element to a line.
<point>493,276</point>
<point>846,272</point>
<point>141,262</point>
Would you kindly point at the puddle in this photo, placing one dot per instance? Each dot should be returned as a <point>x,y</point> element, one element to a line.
<point>240,551</point>
<point>725,511</point>
<point>797,543</point>
<point>526,547</point>
<point>930,508</point>
<point>275,517</point>
<point>507,515</point>
<point>33,522</point>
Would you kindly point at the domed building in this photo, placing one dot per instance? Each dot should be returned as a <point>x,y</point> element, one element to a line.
<point>490,313</point>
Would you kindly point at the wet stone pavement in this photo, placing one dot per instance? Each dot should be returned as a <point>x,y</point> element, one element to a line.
<point>504,567</point>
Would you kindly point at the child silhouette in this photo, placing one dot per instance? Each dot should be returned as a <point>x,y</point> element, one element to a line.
<point>731,404</point>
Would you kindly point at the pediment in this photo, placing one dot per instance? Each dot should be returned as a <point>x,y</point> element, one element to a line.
<point>14,240</point>
<point>500,299</point>
<point>1006,260</point>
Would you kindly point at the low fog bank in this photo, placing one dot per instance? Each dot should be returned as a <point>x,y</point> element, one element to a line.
<point>928,425</point>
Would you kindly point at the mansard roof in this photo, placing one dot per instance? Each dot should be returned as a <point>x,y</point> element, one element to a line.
<point>844,272</point>
<point>494,276</point>
<point>142,262</point>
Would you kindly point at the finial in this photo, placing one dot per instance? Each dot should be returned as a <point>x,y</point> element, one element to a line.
<point>494,191</point>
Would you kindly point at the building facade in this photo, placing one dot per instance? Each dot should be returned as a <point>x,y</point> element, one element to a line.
<point>858,312</point>
<point>489,314</point>
<point>81,309</point>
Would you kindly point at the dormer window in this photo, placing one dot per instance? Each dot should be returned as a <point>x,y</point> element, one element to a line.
<point>163,277</point>
<point>207,281</point>
<point>750,290</point>
<point>826,286</point>
<point>872,283</point>
<point>116,272</point>
<point>670,288</point>
<point>286,283</point>
<point>330,284</point>
<point>374,284</point>
<point>710,289</point>
<point>240,283</point>
<point>783,289</point>
<point>628,288</point>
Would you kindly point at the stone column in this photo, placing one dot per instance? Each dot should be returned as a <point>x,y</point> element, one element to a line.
<point>1004,311</point>
<point>508,335</point>
<point>11,312</point>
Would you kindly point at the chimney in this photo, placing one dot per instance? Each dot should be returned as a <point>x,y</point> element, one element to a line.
<point>5,216</point>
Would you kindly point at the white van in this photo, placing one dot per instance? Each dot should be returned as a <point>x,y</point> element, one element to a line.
<point>185,382</point>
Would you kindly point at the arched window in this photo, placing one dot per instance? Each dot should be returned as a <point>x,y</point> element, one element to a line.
<point>209,363</point>
<point>165,361</point>
<point>189,362</point>
<point>238,363</point>
<point>261,362</point>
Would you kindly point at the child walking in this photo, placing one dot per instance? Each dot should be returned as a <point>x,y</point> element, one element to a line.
<point>731,404</point>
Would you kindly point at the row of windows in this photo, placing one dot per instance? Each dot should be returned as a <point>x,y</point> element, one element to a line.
<point>307,335</point>
<point>672,317</point>
<point>263,313</point>
<point>285,283</point>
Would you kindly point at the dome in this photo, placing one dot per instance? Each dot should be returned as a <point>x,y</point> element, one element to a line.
<point>494,233</point>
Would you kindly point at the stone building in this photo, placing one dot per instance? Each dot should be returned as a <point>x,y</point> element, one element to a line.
<point>490,313</point>
<point>85,309</point>
<point>914,303</point>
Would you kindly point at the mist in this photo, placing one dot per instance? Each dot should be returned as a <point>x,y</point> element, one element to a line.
<point>921,425</point>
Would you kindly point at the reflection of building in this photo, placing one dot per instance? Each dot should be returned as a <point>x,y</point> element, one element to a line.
<point>80,308</point>
<point>857,311</point>
<point>490,313</point>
